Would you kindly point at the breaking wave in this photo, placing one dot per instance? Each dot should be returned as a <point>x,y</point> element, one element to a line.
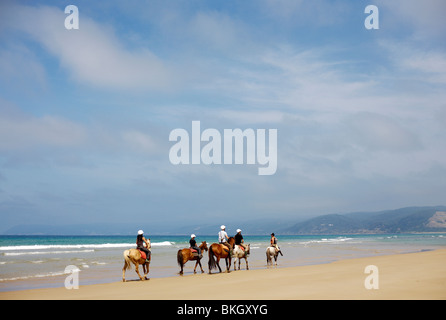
<point>80,246</point>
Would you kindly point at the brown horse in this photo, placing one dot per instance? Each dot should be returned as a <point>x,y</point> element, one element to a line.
<point>134,256</point>
<point>186,254</point>
<point>219,251</point>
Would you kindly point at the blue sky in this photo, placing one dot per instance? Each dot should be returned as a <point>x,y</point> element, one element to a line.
<point>85,115</point>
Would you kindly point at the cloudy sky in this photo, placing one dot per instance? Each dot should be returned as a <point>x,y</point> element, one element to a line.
<point>85,115</point>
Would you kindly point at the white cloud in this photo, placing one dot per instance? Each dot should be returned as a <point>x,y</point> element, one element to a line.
<point>139,141</point>
<point>215,29</point>
<point>425,18</point>
<point>20,70</point>
<point>301,12</point>
<point>252,117</point>
<point>25,132</point>
<point>414,61</point>
<point>93,55</point>
<point>378,132</point>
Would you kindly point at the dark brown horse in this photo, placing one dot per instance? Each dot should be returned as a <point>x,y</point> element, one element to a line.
<point>218,250</point>
<point>186,254</point>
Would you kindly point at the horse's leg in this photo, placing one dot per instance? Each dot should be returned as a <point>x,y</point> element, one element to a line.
<point>228,264</point>
<point>218,264</point>
<point>195,269</point>
<point>246,260</point>
<point>137,270</point>
<point>146,270</point>
<point>199,262</point>
<point>184,262</point>
<point>211,259</point>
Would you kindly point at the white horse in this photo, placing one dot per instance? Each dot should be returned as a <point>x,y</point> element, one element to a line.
<point>134,256</point>
<point>239,253</point>
<point>271,253</point>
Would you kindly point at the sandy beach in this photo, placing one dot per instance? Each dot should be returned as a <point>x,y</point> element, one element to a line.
<point>404,276</point>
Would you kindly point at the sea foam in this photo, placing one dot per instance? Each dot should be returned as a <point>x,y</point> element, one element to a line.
<point>81,246</point>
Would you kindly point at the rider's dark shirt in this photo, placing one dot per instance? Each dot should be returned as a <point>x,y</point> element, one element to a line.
<point>238,238</point>
<point>192,243</point>
<point>139,241</point>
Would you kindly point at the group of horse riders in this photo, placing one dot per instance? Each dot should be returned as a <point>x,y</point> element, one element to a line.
<point>144,245</point>
<point>223,239</point>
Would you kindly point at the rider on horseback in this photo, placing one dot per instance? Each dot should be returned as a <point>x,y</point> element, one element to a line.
<point>223,239</point>
<point>143,244</point>
<point>193,245</point>
<point>273,243</point>
<point>239,240</point>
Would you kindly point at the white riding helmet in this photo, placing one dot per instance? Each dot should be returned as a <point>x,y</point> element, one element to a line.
<point>140,232</point>
<point>192,235</point>
<point>238,230</point>
<point>222,227</point>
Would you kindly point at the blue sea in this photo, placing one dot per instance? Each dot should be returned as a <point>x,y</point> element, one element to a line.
<point>28,262</point>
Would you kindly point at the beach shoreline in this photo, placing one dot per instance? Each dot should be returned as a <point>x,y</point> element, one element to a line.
<point>417,276</point>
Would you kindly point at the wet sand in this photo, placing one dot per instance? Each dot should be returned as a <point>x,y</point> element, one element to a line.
<point>404,276</point>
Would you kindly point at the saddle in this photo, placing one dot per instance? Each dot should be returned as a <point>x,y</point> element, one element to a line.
<point>246,253</point>
<point>194,253</point>
<point>143,254</point>
<point>225,248</point>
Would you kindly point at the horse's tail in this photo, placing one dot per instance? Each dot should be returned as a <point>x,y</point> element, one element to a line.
<point>268,257</point>
<point>180,258</point>
<point>127,261</point>
<point>212,263</point>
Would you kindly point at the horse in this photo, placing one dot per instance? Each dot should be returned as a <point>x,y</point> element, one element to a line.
<point>186,254</point>
<point>219,251</point>
<point>239,253</point>
<point>271,252</point>
<point>134,256</point>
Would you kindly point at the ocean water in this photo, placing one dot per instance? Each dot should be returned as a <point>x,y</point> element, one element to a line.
<point>28,262</point>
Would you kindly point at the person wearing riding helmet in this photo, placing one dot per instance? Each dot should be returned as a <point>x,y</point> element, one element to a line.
<point>239,239</point>
<point>193,245</point>
<point>223,238</point>
<point>143,244</point>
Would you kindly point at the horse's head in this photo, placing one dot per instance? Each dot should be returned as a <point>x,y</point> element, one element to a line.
<point>204,246</point>
<point>231,241</point>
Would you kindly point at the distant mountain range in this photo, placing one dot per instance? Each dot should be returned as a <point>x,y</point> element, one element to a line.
<point>410,219</point>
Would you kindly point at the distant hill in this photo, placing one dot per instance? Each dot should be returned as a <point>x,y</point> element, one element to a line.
<point>411,219</point>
